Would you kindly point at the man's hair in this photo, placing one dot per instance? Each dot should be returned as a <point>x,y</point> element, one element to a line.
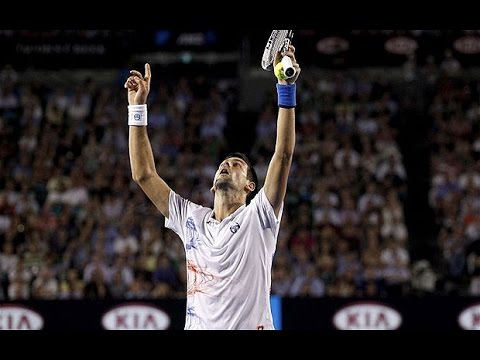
<point>251,173</point>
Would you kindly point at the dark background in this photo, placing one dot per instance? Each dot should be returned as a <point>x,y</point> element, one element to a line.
<point>52,49</point>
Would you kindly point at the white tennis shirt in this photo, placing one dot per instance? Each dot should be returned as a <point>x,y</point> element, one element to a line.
<point>228,263</point>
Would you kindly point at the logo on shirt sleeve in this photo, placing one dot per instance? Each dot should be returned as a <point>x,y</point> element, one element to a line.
<point>193,238</point>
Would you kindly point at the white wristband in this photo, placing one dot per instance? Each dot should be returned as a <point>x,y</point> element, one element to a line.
<point>137,115</point>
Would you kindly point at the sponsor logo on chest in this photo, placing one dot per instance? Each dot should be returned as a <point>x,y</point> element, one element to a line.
<point>235,227</point>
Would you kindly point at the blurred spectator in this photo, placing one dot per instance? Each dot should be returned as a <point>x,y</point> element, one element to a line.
<point>96,287</point>
<point>308,284</point>
<point>424,279</point>
<point>450,65</point>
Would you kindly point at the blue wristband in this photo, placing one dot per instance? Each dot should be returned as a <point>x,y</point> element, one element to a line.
<point>287,96</point>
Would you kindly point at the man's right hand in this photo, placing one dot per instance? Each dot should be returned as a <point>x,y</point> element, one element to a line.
<point>138,86</point>
<point>290,53</point>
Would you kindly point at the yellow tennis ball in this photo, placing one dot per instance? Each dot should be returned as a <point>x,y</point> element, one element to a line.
<point>279,73</point>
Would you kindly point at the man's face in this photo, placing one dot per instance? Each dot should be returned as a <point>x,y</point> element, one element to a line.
<point>231,174</point>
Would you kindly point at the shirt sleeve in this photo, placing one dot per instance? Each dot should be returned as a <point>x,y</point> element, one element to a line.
<point>265,210</point>
<point>179,209</point>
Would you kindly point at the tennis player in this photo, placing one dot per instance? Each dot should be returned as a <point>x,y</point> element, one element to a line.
<point>229,249</point>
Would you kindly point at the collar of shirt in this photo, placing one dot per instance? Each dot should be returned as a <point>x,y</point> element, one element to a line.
<point>212,221</point>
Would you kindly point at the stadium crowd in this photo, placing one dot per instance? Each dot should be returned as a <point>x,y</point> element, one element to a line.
<point>73,224</point>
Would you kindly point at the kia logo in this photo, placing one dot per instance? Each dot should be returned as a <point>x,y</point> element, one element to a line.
<point>469,318</point>
<point>136,316</point>
<point>19,317</point>
<point>332,45</point>
<point>367,316</point>
<point>401,45</point>
<point>467,45</point>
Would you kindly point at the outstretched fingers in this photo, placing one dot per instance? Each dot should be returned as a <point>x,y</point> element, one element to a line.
<point>148,73</point>
<point>139,80</point>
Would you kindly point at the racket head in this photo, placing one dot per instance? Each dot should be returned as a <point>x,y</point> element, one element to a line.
<point>278,40</point>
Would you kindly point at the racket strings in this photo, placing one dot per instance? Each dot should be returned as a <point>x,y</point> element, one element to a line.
<point>279,40</point>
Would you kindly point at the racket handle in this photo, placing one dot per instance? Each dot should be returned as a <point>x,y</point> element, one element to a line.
<point>288,68</point>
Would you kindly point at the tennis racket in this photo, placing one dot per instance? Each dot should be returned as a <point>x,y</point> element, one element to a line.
<point>278,41</point>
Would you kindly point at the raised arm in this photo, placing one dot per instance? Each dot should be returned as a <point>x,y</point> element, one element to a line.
<point>140,150</point>
<point>279,168</point>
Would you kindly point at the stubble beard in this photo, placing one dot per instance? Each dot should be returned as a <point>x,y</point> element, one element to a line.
<point>224,185</point>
